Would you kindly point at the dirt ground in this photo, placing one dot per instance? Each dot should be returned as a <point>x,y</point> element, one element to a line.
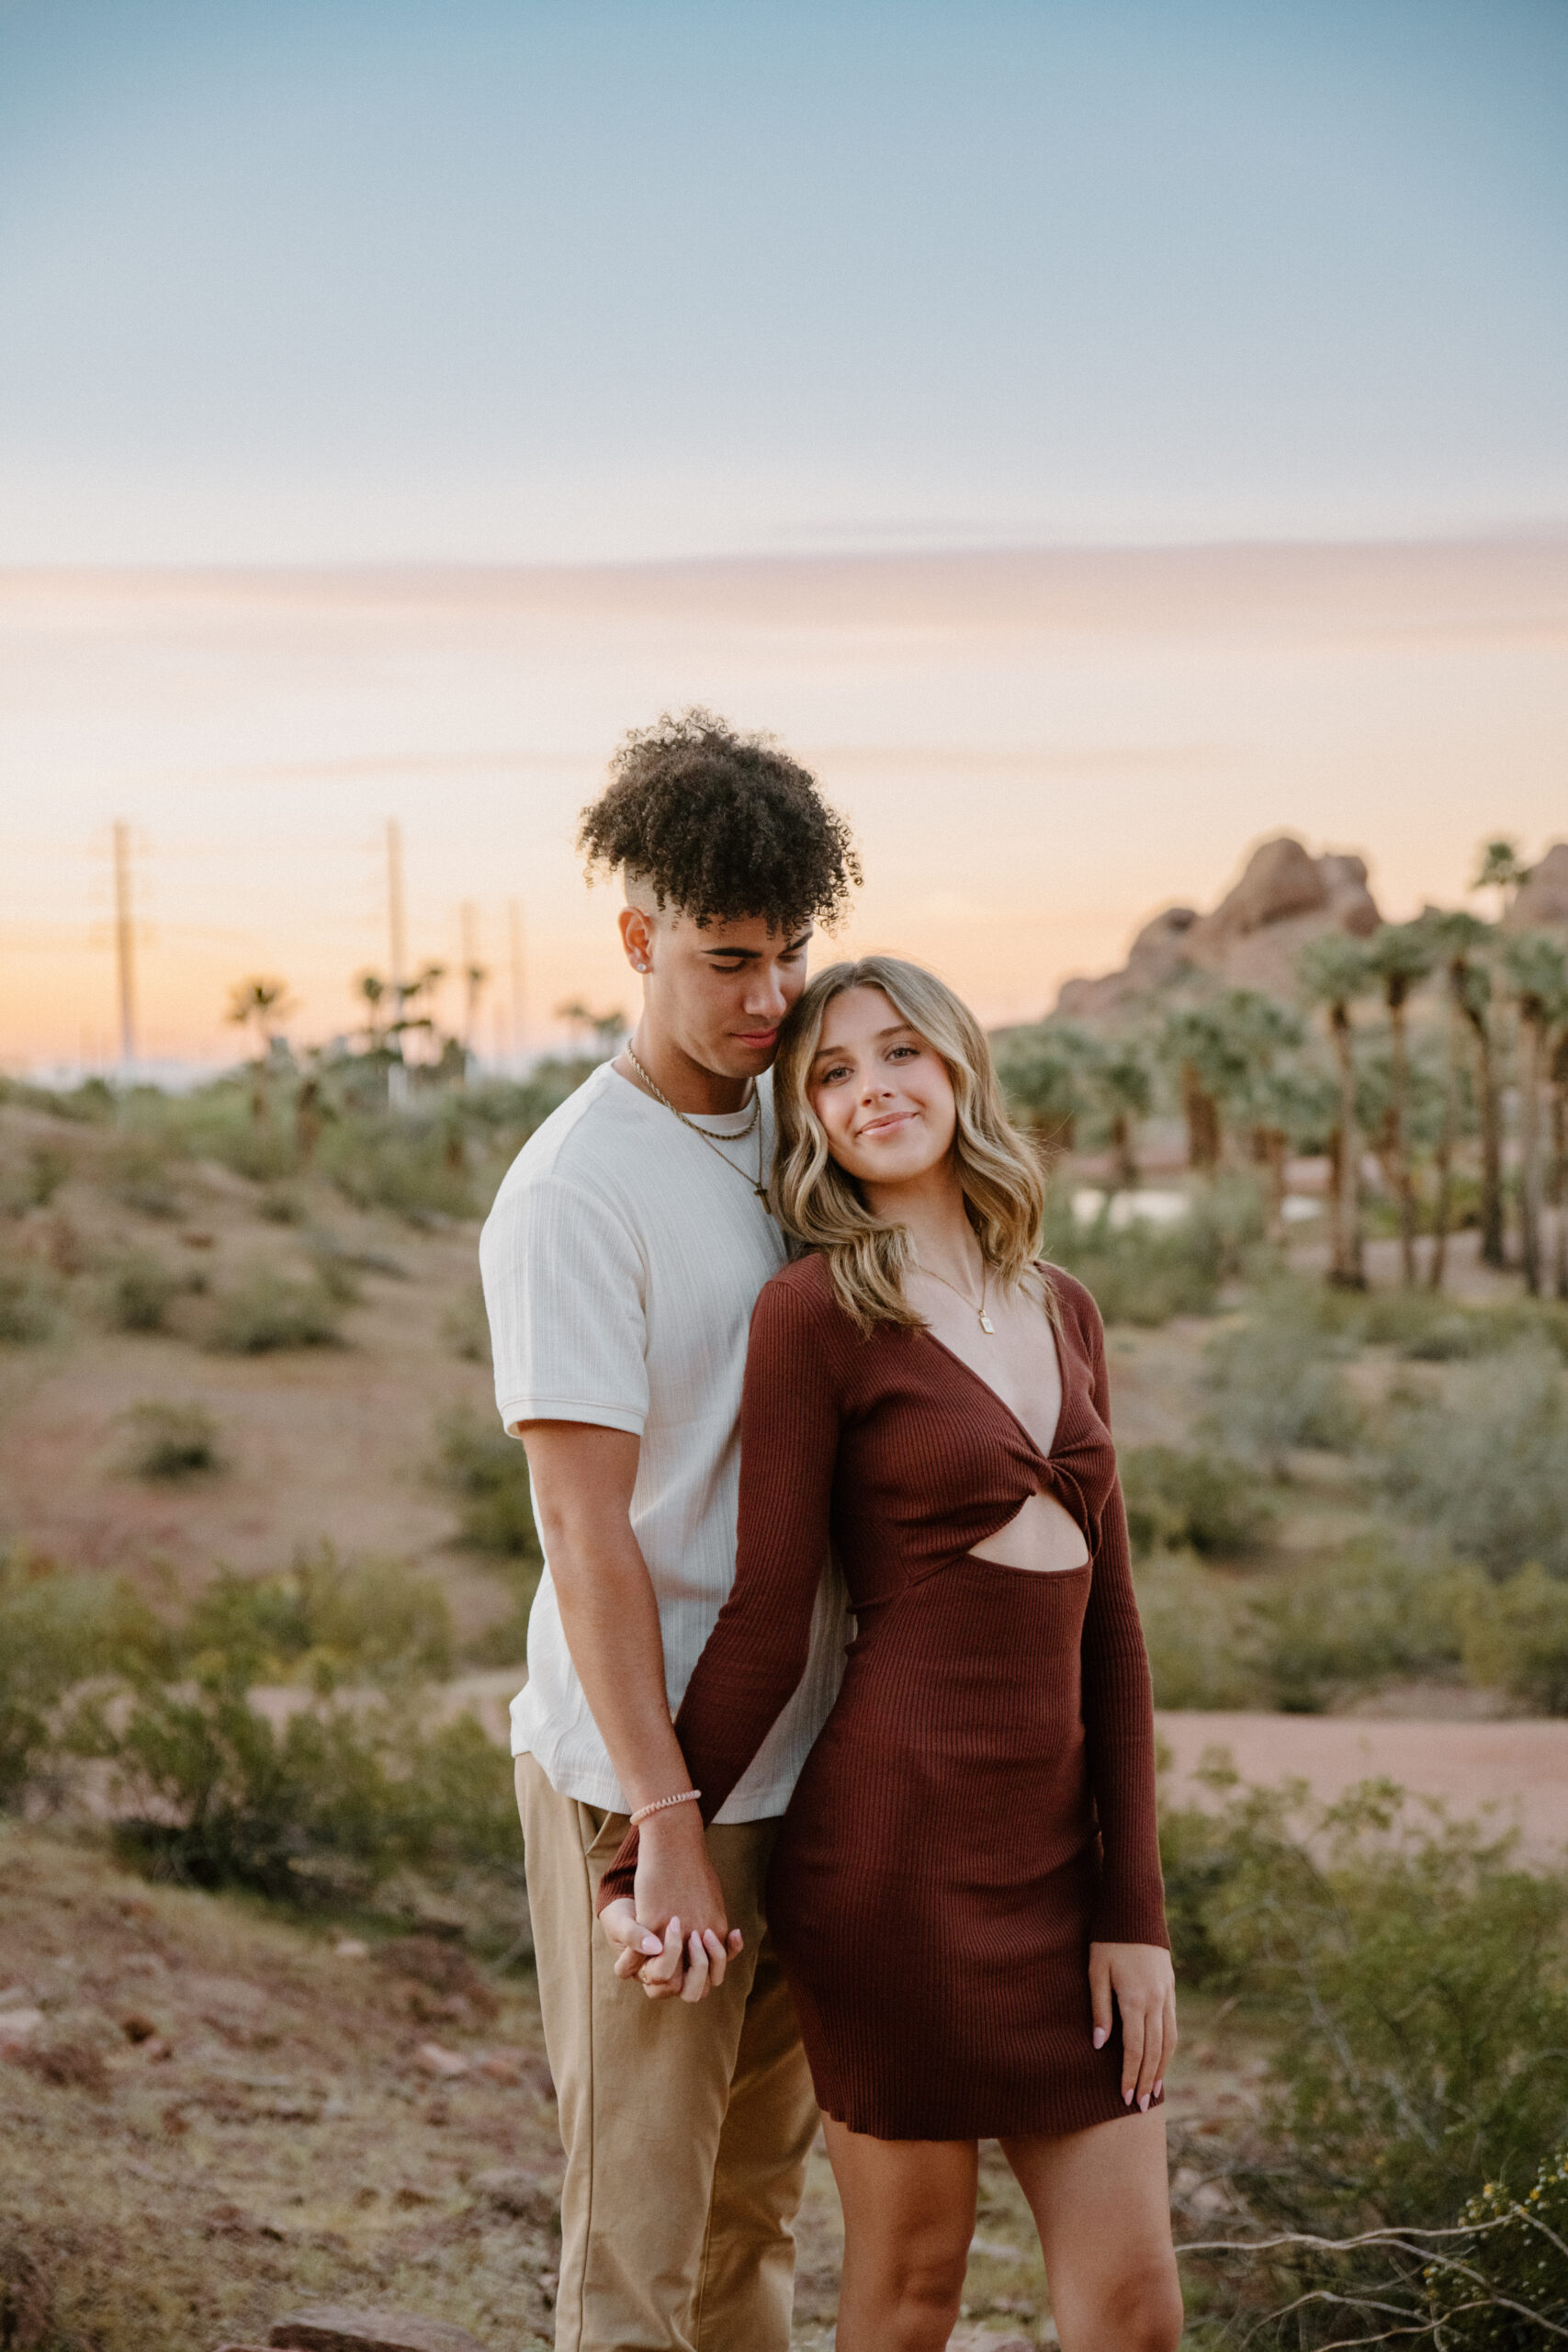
<point>216,2114</point>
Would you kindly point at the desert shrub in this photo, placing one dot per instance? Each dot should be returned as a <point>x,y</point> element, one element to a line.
<point>56,1631</point>
<point>404,1163</point>
<point>1196,1630</point>
<point>324,1620</point>
<point>1367,1614</point>
<point>139,1177</point>
<point>32,1182</point>
<point>331,1803</point>
<point>139,1291</point>
<point>1143,1274</point>
<point>1489,1464</point>
<point>268,1310</point>
<point>170,1441</point>
<point>1202,1502</point>
<point>465,1327</point>
<point>1414,1980</point>
<point>26,1302</point>
<point>1274,1384</point>
<point>1512,2258</point>
<point>1516,1639</point>
<point>489,1472</point>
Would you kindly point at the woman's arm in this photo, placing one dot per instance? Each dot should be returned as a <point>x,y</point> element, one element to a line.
<point>755,1657</point>
<point>1129,1950</point>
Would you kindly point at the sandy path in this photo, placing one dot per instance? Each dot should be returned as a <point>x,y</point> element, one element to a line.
<point>1521,1769</point>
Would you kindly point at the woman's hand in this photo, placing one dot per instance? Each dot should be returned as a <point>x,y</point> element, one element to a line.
<point>673,1936</point>
<point>1144,1983</point>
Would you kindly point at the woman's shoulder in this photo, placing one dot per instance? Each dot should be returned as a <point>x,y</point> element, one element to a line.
<point>800,1302</point>
<point>1077,1303</point>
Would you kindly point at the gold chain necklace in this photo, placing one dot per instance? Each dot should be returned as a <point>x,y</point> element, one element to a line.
<point>712,1141</point>
<point>979,1313</point>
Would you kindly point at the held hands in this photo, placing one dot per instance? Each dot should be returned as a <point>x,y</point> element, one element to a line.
<point>1144,1982</point>
<point>674,1936</point>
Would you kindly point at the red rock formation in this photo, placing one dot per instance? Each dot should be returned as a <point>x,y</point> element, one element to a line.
<point>1284,897</point>
<point>1543,900</point>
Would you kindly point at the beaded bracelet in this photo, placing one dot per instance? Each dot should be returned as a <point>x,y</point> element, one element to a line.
<point>659,1805</point>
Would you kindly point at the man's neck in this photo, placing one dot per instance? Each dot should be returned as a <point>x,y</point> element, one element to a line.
<point>701,1093</point>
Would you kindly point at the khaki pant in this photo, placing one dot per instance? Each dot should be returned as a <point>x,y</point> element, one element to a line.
<point>686,2126</point>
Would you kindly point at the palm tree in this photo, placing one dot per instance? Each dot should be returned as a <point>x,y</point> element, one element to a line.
<point>1046,1072</point>
<point>1537,969</point>
<point>1199,1040</point>
<point>1558,1075</point>
<point>1461,942</point>
<point>1401,955</point>
<point>1500,868</point>
<point>258,1001</point>
<point>1123,1077</point>
<point>375,993</point>
<point>1334,971</point>
<point>606,1029</point>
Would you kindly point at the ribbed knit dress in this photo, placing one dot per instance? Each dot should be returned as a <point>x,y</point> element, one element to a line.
<point>980,1803</point>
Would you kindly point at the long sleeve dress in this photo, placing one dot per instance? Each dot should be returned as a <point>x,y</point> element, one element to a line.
<point>980,1804</point>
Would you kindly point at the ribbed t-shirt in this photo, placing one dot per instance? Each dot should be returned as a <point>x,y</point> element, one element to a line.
<point>621,1263</point>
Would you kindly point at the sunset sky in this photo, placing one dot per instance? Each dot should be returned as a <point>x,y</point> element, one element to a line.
<point>808,344</point>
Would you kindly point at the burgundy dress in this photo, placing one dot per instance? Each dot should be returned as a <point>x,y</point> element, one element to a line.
<point>980,1804</point>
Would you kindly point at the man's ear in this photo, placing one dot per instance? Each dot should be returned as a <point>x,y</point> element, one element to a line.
<point>636,938</point>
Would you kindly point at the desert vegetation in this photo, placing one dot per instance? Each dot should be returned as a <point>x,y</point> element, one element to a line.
<point>263,1588</point>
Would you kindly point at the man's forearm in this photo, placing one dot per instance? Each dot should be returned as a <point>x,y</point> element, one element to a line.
<point>611,1622</point>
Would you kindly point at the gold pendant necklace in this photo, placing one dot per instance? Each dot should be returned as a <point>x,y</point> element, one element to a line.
<point>712,1141</point>
<point>979,1313</point>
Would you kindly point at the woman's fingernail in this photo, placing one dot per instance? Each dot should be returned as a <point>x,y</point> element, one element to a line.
<point>1144,2104</point>
<point>1101,2037</point>
<point>652,1947</point>
<point>1159,2086</point>
<point>1126,2098</point>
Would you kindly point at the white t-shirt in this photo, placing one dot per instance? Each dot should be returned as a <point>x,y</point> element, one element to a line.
<point>621,1263</point>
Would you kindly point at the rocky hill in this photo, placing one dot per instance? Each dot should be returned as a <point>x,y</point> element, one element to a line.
<point>1284,897</point>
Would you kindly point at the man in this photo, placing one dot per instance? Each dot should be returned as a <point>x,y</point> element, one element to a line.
<point>621,1263</point>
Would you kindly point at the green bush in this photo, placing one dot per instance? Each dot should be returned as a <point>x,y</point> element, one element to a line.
<point>1196,1630</point>
<point>27,1303</point>
<point>170,1441</point>
<point>1274,1384</point>
<point>1200,1502</point>
<point>32,1182</point>
<point>1365,1615</point>
<point>139,1293</point>
<point>465,1327</point>
<point>1488,1465</point>
<point>489,1472</point>
<point>1516,1639</point>
<point>1416,1981</point>
<point>1512,2262</point>
<point>57,1630</point>
<point>407,1164</point>
<point>139,1177</point>
<point>269,1310</point>
<point>331,1803</point>
<point>325,1620</point>
<point>1413,1984</point>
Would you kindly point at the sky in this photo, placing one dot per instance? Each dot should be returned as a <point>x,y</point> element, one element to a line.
<point>1094,435</point>
<point>519,280</point>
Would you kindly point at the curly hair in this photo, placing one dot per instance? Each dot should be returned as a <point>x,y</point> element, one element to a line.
<point>721,827</point>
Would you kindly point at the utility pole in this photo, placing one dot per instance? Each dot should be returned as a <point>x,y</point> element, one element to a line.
<point>473,978</point>
<point>397,938</point>
<point>125,945</point>
<point>515,934</point>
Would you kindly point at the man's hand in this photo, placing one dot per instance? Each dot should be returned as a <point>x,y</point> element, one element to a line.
<point>1144,1983</point>
<point>674,1936</point>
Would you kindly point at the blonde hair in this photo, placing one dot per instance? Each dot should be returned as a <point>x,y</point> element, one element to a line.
<point>821,1206</point>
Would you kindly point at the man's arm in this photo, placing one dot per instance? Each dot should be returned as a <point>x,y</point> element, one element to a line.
<point>583,1475</point>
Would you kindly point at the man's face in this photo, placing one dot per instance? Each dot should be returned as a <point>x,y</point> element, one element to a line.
<point>718,994</point>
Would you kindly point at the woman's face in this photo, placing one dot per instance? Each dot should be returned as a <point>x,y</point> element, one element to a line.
<point>881,1093</point>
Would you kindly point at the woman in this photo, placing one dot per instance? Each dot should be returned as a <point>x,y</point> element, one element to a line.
<point>965,1891</point>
